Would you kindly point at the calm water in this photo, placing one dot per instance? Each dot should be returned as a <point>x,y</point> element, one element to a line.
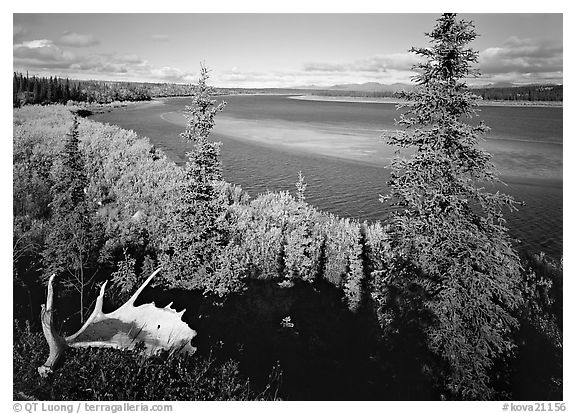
<point>268,139</point>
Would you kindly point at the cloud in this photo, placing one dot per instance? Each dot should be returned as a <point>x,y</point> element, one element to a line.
<point>77,40</point>
<point>170,74</point>
<point>297,78</point>
<point>375,64</point>
<point>18,33</point>
<point>42,53</point>
<point>386,69</point>
<point>524,59</point>
<point>160,38</point>
<point>44,56</point>
<point>517,61</point>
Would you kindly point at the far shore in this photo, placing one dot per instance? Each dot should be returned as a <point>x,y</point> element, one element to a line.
<point>349,99</point>
<point>397,101</point>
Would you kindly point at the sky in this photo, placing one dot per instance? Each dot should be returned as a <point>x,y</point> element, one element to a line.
<point>275,50</point>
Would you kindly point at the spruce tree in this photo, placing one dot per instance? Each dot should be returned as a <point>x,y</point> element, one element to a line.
<point>71,242</point>
<point>452,247</point>
<point>36,91</point>
<point>15,90</point>
<point>196,236</point>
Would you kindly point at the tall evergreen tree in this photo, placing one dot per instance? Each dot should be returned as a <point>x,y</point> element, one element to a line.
<point>43,89</point>
<point>71,245</point>
<point>66,96</point>
<point>196,235</point>
<point>449,233</point>
<point>37,92</point>
<point>15,90</point>
<point>49,89</point>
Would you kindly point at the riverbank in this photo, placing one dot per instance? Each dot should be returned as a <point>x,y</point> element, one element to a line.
<point>386,100</point>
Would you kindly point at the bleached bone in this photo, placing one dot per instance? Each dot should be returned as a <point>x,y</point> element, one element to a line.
<point>157,328</point>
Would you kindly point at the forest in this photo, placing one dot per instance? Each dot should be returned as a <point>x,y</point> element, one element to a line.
<point>43,90</point>
<point>550,93</point>
<point>289,302</point>
<point>29,90</point>
<point>530,93</point>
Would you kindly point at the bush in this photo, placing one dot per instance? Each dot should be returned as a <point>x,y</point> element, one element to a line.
<point>116,375</point>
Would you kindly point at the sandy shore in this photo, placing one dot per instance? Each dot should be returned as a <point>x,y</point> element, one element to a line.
<point>397,101</point>
<point>526,160</point>
<point>354,144</point>
<point>356,99</point>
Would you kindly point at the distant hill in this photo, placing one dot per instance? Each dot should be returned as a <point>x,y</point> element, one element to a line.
<point>496,91</point>
<point>494,85</point>
<point>309,87</point>
<point>368,89</point>
<point>372,87</point>
<point>397,87</point>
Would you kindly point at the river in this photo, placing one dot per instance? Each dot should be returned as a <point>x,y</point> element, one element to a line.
<point>267,139</point>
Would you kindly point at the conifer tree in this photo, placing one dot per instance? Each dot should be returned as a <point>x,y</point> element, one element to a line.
<point>36,91</point>
<point>15,90</point>
<point>71,242</point>
<point>196,234</point>
<point>449,233</point>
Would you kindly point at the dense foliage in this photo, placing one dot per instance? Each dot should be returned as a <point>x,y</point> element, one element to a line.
<point>530,93</point>
<point>319,269</point>
<point>43,90</point>
<point>47,90</point>
<point>115,375</point>
<point>553,93</point>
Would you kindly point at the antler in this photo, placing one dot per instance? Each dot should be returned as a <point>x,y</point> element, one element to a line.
<point>158,328</point>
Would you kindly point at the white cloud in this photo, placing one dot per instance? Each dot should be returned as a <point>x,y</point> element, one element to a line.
<point>160,38</point>
<point>77,40</point>
<point>42,53</point>
<point>288,79</point>
<point>43,56</point>
<point>18,32</point>
<point>375,64</point>
<point>523,60</point>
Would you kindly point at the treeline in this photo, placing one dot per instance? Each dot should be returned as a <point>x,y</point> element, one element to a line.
<point>522,93</point>
<point>348,93</point>
<point>240,91</point>
<point>45,90</point>
<point>39,90</point>
<point>543,93</point>
<point>48,90</point>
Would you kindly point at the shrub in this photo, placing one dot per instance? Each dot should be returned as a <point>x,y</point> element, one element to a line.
<point>116,375</point>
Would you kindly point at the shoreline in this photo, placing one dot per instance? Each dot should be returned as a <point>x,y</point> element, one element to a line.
<point>381,100</point>
<point>315,156</point>
<point>386,100</point>
<point>239,130</point>
<point>365,148</point>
